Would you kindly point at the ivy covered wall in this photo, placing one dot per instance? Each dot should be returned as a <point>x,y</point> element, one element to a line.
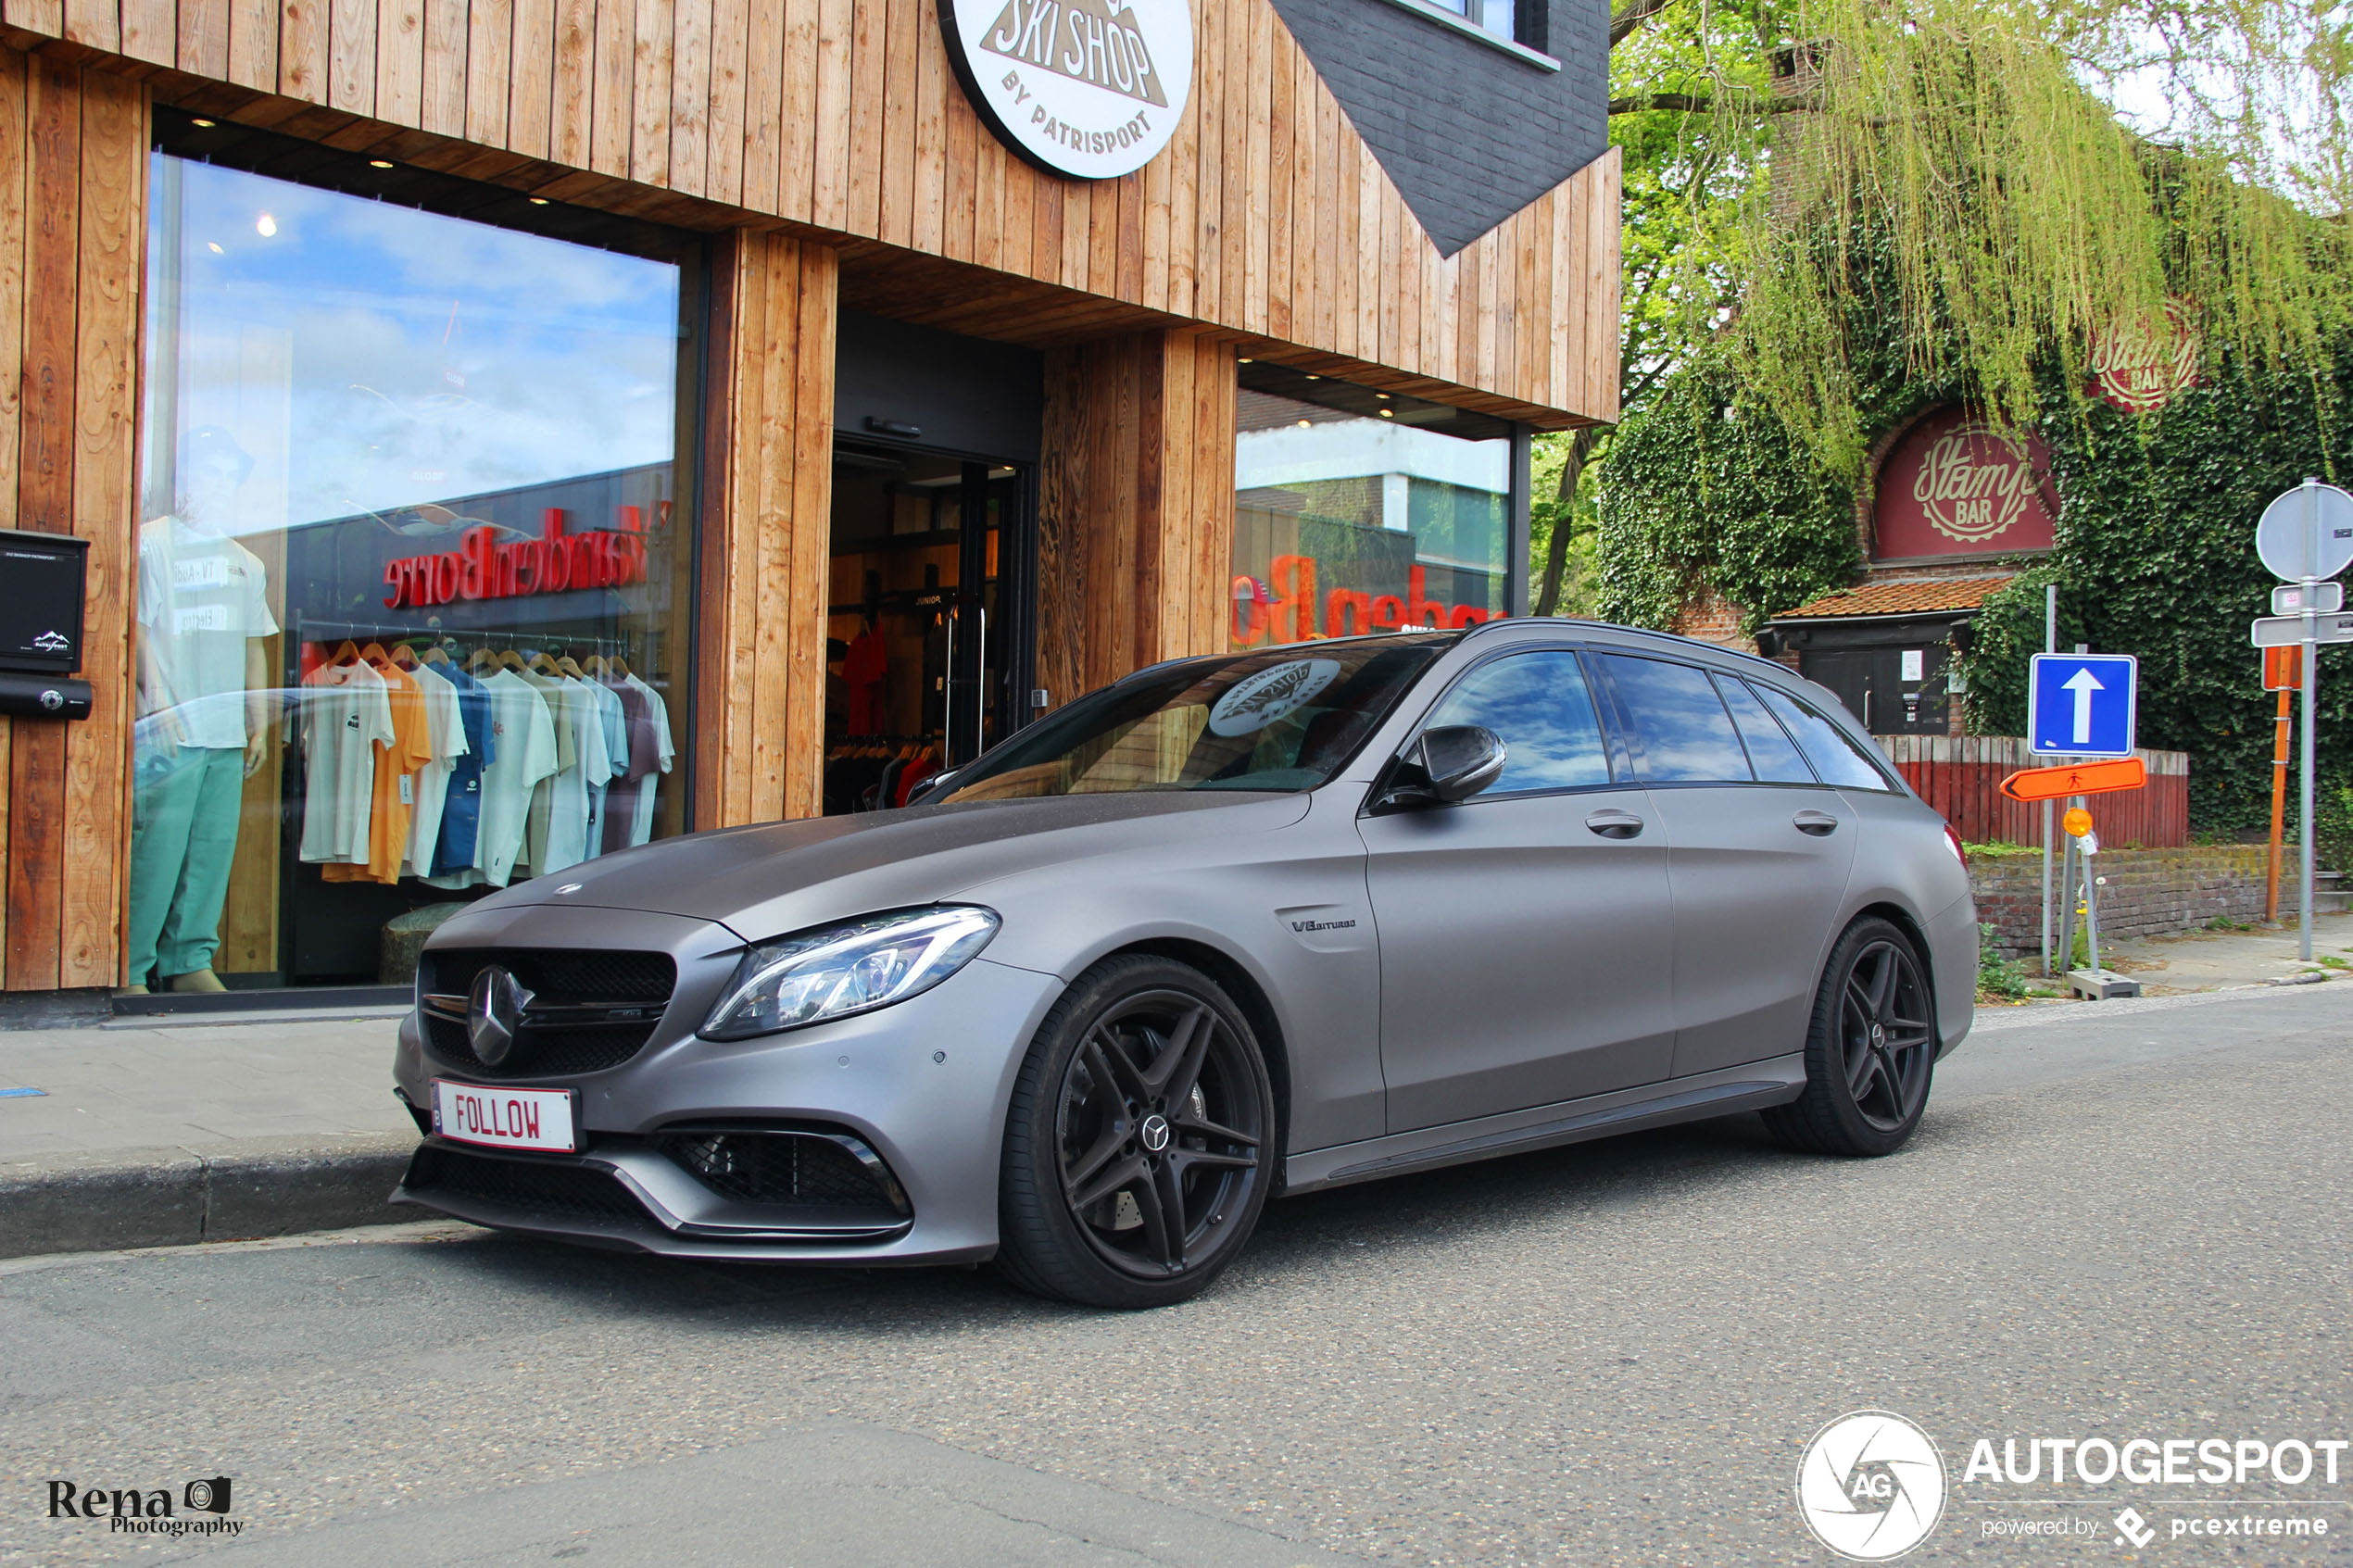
<point>2154,554</point>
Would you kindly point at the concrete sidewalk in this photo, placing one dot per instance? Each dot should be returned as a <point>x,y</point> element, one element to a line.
<point>2213,961</point>
<point>152,1133</point>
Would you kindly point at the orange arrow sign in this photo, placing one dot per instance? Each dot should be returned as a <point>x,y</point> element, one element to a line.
<point>2084,778</point>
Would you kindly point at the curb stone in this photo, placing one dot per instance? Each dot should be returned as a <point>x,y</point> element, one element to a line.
<point>178,1196</point>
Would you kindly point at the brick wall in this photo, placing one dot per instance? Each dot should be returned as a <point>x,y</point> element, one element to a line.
<point>2148,892</point>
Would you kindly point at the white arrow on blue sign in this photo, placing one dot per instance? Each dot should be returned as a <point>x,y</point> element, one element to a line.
<point>2083,704</point>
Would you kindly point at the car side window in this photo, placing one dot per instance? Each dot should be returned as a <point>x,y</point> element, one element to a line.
<point>1770,751</point>
<point>1834,754</point>
<point>1541,706</point>
<point>1680,730</point>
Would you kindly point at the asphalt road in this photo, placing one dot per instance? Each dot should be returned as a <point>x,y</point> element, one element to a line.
<point>2117,1222</point>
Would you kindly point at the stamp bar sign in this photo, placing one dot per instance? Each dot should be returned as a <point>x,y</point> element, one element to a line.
<point>1092,89</point>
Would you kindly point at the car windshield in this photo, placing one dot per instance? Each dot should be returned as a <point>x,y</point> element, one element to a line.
<point>1282,719</point>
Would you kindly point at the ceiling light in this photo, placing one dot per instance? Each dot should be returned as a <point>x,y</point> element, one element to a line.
<point>202,124</point>
<point>265,225</point>
<point>1246,359</point>
<point>1304,423</point>
<point>1387,413</point>
<point>380,163</point>
<point>1313,376</point>
<point>539,201</point>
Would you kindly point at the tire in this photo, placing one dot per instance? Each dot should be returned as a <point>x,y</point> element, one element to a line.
<point>1871,1050</point>
<point>1145,1095</point>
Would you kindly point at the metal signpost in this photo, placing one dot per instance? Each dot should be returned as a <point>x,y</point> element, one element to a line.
<point>2306,537</point>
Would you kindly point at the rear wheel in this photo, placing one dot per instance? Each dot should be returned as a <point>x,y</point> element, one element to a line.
<point>1871,1050</point>
<point>1139,1145</point>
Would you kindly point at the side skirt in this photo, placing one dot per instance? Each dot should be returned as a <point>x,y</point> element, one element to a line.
<point>1750,1086</point>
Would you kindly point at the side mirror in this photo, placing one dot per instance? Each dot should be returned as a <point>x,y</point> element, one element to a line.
<point>1444,766</point>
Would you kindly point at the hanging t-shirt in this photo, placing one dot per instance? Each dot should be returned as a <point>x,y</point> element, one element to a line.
<point>542,820</point>
<point>613,731</point>
<point>394,794</point>
<point>644,757</point>
<point>461,806</point>
<point>446,732</point>
<point>345,716</point>
<point>641,828</point>
<point>523,735</point>
<point>202,598</point>
<point>565,841</point>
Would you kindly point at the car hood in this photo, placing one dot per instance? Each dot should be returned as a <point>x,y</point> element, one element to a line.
<point>767,880</point>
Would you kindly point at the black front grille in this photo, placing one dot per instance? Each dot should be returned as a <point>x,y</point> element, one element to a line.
<point>561,976</point>
<point>807,1170</point>
<point>619,997</point>
<point>543,1052</point>
<point>530,1187</point>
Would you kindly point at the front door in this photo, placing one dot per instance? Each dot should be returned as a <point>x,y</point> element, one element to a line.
<point>1526,935</point>
<point>920,653</point>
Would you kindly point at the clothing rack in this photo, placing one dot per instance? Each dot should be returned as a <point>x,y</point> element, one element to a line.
<point>308,631</point>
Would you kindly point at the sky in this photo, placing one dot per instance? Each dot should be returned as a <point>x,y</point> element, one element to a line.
<point>372,357</point>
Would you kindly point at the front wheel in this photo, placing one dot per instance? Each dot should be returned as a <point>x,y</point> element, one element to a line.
<point>1870,1052</point>
<point>1139,1141</point>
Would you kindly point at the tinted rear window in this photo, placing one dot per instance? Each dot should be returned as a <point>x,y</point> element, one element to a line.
<point>1680,731</point>
<point>1835,756</point>
<point>1770,751</point>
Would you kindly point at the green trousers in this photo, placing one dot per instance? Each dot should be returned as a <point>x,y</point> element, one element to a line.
<point>184,834</point>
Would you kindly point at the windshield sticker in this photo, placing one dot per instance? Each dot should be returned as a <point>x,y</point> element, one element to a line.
<point>1273,694</point>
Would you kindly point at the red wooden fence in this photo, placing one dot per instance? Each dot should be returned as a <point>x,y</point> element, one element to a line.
<point>1961,774</point>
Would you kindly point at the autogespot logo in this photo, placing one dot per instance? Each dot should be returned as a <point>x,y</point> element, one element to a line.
<point>1870,1486</point>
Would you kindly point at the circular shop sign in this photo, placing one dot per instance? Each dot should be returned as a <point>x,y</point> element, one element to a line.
<point>1088,88</point>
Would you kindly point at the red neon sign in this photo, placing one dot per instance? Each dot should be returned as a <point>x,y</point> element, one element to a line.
<point>1290,609</point>
<point>482,567</point>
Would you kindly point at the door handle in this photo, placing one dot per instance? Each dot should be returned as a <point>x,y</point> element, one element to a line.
<point>1611,822</point>
<point>1821,824</point>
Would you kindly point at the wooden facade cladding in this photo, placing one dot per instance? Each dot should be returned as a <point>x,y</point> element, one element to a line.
<point>1136,508</point>
<point>760,682</point>
<point>1266,216</point>
<point>73,160</point>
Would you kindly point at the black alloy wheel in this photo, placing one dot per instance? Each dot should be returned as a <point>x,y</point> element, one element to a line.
<point>1138,1149</point>
<point>1871,1052</point>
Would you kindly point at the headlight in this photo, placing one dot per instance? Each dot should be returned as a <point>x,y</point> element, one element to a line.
<point>847,969</point>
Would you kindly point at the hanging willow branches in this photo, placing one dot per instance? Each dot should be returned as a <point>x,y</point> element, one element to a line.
<point>1974,149</point>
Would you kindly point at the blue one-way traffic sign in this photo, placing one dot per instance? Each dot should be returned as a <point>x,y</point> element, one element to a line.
<point>2083,704</point>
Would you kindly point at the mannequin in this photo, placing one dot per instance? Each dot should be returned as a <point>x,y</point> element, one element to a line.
<point>203,701</point>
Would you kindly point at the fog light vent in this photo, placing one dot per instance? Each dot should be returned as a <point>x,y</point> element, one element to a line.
<point>806,1170</point>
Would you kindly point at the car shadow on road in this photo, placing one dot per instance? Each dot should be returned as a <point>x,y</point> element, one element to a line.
<point>1453,1208</point>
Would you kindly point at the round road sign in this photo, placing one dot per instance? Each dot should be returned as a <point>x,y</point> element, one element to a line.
<point>2078,822</point>
<point>2314,518</point>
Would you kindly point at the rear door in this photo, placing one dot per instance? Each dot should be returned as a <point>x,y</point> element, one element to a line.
<point>1525,933</point>
<point>1758,857</point>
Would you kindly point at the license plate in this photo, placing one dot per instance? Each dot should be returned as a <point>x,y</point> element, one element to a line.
<point>540,1119</point>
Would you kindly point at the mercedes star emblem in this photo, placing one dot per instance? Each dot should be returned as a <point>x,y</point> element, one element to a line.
<point>494,1014</point>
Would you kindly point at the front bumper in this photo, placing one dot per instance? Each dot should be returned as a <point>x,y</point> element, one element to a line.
<point>921,1087</point>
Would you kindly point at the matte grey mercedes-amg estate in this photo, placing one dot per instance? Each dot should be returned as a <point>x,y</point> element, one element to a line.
<point>1228,928</point>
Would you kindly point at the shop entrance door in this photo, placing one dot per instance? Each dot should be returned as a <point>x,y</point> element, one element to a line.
<point>926,633</point>
<point>1894,690</point>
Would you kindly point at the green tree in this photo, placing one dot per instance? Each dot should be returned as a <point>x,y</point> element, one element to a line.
<point>1972,147</point>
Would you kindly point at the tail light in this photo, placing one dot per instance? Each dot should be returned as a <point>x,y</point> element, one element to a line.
<point>1953,842</point>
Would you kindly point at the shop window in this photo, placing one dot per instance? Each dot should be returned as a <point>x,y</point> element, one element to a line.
<point>1361,511</point>
<point>413,583</point>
